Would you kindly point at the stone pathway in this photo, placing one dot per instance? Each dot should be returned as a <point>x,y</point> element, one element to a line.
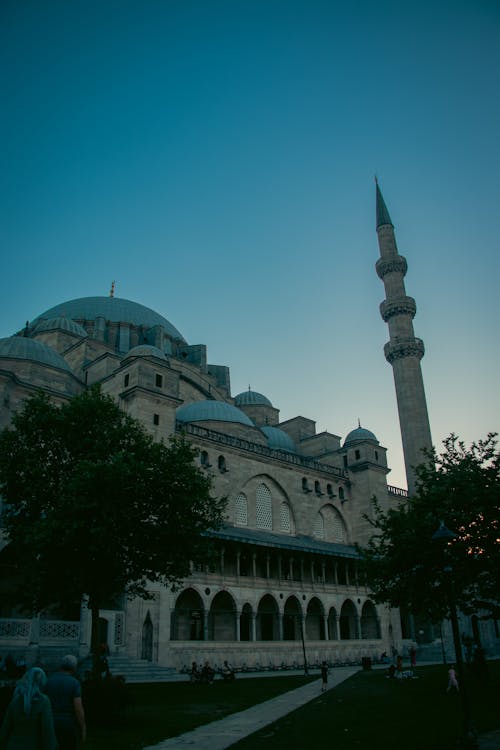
<point>225,732</point>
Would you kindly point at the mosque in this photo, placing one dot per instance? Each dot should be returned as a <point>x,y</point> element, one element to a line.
<point>284,586</point>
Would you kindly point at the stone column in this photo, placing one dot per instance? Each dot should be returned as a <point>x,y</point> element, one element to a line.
<point>325,628</point>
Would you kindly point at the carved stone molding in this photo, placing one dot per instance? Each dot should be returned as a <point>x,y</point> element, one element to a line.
<point>398,306</point>
<point>411,347</point>
<point>395,265</point>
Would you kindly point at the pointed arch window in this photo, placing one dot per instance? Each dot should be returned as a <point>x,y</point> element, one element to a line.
<point>263,507</point>
<point>285,518</point>
<point>319,526</point>
<point>241,510</point>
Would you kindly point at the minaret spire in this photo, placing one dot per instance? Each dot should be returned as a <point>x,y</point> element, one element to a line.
<point>403,351</point>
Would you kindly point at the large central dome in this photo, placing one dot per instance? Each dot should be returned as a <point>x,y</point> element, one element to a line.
<point>112,309</point>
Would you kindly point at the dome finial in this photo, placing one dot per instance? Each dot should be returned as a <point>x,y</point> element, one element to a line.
<point>112,290</point>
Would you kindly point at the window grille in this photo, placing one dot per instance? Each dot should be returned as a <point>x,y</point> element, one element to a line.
<point>319,526</point>
<point>285,524</point>
<point>264,510</point>
<point>241,510</point>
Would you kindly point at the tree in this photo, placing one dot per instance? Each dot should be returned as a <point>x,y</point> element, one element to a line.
<point>403,566</point>
<point>94,507</point>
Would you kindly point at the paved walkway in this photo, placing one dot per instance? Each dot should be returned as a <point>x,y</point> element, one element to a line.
<point>225,732</point>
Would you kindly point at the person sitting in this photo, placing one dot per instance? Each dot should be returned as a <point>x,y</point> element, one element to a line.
<point>207,673</point>
<point>195,674</point>
<point>227,671</point>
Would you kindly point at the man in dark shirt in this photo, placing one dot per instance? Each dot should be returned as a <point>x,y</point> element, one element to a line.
<point>65,695</point>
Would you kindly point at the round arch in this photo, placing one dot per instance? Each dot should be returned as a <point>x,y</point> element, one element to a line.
<point>222,618</point>
<point>348,621</point>
<point>315,624</point>
<point>187,617</point>
<point>370,627</point>
<point>267,619</point>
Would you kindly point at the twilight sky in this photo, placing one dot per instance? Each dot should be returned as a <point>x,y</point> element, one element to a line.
<point>216,158</point>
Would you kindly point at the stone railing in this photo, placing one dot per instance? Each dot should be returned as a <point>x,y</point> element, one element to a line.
<point>262,450</point>
<point>37,630</point>
<point>399,491</point>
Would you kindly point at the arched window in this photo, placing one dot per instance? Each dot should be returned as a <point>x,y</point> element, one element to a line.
<point>241,510</point>
<point>334,528</point>
<point>221,461</point>
<point>319,526</point>
<point>338,528</point>
<point>285,518</point>
<point>341,493</point>
<point>204,460</point>
<point>263,508</point>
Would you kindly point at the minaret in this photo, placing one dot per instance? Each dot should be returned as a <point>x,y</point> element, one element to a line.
<point>403,351</point>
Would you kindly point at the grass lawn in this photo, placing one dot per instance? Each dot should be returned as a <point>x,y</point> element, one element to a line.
<point>366,711</point>
<point>370,711</point>
<point>157,711</point>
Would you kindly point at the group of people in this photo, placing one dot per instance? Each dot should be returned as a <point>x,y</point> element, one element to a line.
<point>45,713</point>
<point>207,673</point>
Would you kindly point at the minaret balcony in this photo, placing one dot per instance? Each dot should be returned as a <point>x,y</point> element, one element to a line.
<point>402,348</point>
<point>397,264</point>
<point>398,306</point>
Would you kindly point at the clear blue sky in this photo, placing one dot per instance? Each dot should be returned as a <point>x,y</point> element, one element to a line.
<point>216,158</point>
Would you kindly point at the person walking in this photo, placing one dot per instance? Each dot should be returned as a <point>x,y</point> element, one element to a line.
<point>28,723</point>
<point>65,695</point>
<point>452,680</point>
<point>324,676</point>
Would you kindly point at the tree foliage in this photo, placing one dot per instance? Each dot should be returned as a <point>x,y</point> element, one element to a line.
<point>94,507</point>
<point>403,565</point>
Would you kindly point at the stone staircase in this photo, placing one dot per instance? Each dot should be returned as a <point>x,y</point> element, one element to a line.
<point>141,670</point>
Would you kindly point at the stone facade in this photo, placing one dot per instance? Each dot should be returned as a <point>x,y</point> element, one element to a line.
<point>284,583</point>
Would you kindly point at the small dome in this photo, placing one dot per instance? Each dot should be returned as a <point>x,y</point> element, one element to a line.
<point>19,347</point>
<point>114,309</point>
<point>278,439</point>
<point>216,411</point>
<point>360,435</point>
<point>61,324</point>
<point>146,350</point>
<point>251,398</point>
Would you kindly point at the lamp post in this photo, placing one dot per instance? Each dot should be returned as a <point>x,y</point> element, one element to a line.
<point>469,740</point>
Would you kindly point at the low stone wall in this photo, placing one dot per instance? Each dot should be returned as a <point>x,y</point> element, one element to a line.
<point>260,655</point>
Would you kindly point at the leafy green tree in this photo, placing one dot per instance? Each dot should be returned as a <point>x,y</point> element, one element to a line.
<point>94,507</point>
<point>404,566</point>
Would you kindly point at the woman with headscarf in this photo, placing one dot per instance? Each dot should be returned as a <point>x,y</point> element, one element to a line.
<point>28,723</point>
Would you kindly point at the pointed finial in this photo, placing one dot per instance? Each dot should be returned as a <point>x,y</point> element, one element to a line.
<point>249,388</point>
<point>112,290</point>
<point>359,423</point>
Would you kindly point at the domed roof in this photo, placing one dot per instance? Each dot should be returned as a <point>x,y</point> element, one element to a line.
<point>63,324</point>
<point>359,435</point>
<point>113,309</point>
<point>146,350</point>
<point>278,439</point>
<point>210,410</point>
<point>251,398</point>
<point>19,347</point>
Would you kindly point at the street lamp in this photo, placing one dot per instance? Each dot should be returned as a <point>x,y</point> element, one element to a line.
<point>469,739</point>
